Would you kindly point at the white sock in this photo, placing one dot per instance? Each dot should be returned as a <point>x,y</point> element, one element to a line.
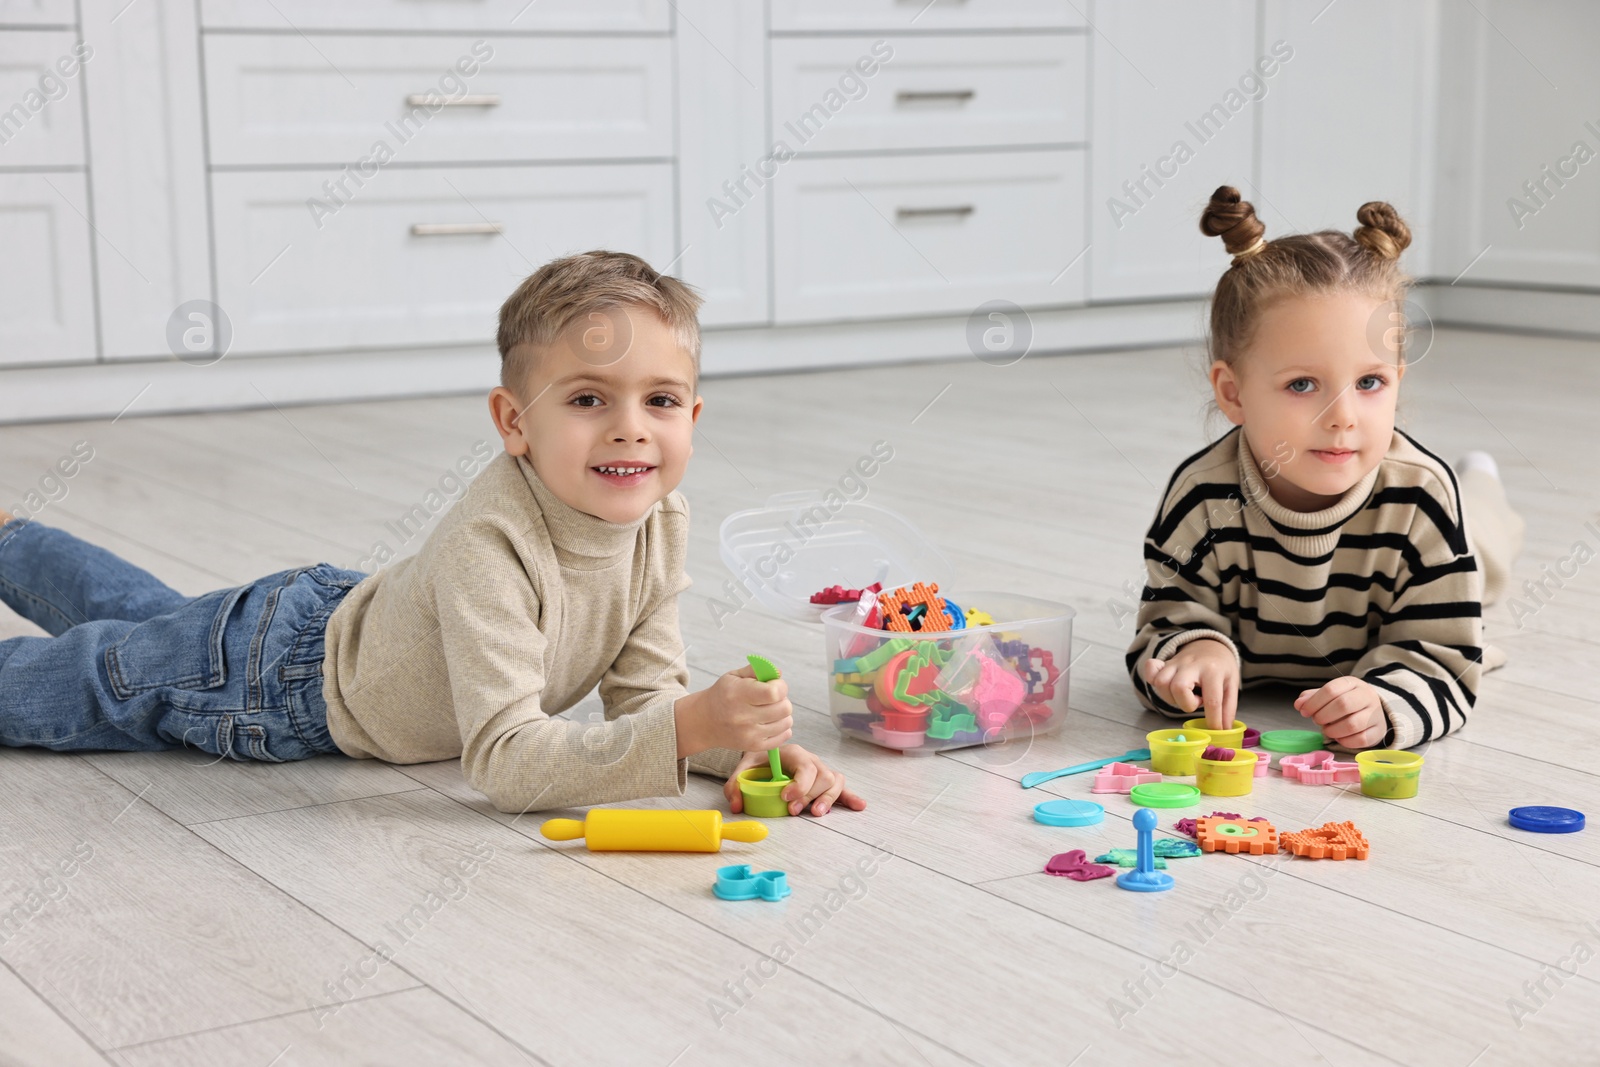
<point>1480,461</point>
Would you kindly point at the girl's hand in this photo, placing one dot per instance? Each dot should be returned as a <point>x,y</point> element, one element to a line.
<point>1207,665</point>
<point>1349,710</point>
<point>813,783</point>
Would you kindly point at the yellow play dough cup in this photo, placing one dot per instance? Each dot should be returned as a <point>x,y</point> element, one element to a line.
<point>1227,778</point>
<point>1389,774</point>
<point>1232,737</point>
<point>1170,756</point>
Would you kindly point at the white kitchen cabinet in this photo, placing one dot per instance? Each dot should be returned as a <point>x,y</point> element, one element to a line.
<point>282,99</point>
<point>149,190</point>
<point>928,92</point>
<point>46,286</point>
<point>485,16</point>
<point>41,104</point>
<point>37,13</point>
<point>1170,124</point>
<point>912,235</point>
<point>1333,138</point>
<point>916,16</point>
<point>420,256</point>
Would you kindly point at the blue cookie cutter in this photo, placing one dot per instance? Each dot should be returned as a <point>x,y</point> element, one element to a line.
<point>739,883</point>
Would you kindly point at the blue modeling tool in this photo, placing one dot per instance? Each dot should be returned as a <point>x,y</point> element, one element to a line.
<point>1144,878</point>
<point>1039,777</point>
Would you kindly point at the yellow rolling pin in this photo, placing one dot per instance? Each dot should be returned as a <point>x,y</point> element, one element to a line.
<point>635,830</point>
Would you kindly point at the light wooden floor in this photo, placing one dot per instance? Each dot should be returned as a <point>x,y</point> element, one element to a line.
<point>221,904</point>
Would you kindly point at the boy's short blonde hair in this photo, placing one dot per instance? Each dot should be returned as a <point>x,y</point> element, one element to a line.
<point>565,289</point>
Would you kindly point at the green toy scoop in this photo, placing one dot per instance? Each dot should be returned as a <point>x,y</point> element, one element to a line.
<point>766,672</point>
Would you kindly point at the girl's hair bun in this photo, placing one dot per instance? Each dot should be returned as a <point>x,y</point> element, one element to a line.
<point>1232,219</point>
<point>1382,231</point>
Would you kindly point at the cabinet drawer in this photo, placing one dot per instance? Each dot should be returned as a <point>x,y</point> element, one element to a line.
<point>486,16</point>
<point>41,109</point>
<point>929,92</point>
<point>38,13</point>
<point>895,16</point>
<point>46,314</point>
<point>365,278</point>
<point>274,99</point>
<point>862,238</point>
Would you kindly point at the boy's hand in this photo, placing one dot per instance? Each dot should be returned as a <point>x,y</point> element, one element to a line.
<point>737,712</point>
<point>814,783</point>
<point>1349,710</point>
<point>1209,665</point>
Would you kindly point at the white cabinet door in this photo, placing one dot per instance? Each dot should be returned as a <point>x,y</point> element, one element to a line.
<point>1173,119</point>
<point>1335,135</point>
<point>37,13</point>
<point>41,103</point>
<point>276,99</point>
<point>876,237</point>
<point>420,256</point>
<point>928,92</point>
<point>489,16</point>
<point>1519,160</point>
<point>898,16</point>
<point>46,310</point>
<point>149,178</point>
<point>722,140</point>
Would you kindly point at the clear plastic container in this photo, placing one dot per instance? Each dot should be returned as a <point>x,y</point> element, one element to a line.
<point>922,693</point>
<point>802,543</point>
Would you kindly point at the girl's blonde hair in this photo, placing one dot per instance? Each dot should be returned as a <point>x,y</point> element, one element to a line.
<point>1366,261</point>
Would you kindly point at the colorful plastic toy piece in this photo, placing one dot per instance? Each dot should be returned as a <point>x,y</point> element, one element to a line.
<point>738,882</point>
<point>766,672</point>
<point>979,618</point>
<point>664,830</point>
<point>1541,820</point>
<point>898,738</point>
<point>1256,837</point>
<point>946,728</point>
<point>997,694</point>
<point>1332,840</point>
<point>1073,865</point>
<point>1127,857</point>
<point>1291,741</point>
<point>1176,751</point>
<point>958,617</point>
<point>1186,826</point>
<point>1232,737</point>
<point>1040,777</point>
<point>1121,778</point>
<point>896,603</point>
<point>1069,813</point>
<point>1389,774</point>
<point>1232,777</point>
<point>855,692</point>
<point>1144,878</point>
<point>1165,795</point>
<point>1318,768</point>
<point>838,594</point>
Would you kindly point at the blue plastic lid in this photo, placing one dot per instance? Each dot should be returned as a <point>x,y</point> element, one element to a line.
<point>1547,820</point>
<point>1069,813</point>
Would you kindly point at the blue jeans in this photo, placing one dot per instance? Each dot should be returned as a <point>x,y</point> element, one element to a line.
<point>135,666</point>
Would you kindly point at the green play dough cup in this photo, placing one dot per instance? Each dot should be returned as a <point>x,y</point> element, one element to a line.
<point>762,796</point>
<point>1389,774</point>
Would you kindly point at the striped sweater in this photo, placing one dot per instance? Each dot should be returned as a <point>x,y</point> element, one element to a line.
<point>1383,585</point>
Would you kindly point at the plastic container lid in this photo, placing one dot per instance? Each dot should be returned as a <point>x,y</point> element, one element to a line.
<point>1069,813</point>
<point>1165,795</point>
<point>801,543</point>
<point>1292,741</point>
<point>1547,820</point>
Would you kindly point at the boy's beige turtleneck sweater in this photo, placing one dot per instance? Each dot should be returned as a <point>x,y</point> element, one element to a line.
<point>515,608</point>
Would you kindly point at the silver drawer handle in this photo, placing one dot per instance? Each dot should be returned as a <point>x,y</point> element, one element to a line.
<point>435,99</point>
<point>455,229</point>
<point>958,210</point>
<point>906,96</point>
